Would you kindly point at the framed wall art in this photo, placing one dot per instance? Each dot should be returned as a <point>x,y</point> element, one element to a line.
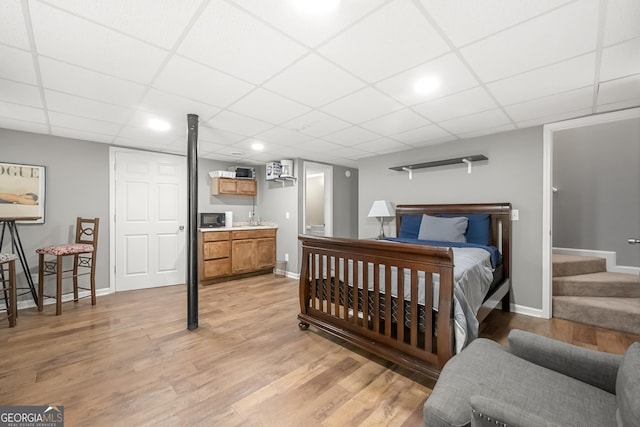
<point>22,192</point>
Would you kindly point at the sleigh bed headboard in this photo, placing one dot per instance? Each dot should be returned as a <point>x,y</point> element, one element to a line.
<point>499,222</point>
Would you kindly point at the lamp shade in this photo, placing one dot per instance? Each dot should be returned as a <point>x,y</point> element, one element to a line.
<point>381,208</point>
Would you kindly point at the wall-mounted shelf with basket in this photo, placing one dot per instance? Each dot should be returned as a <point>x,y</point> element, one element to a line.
<point>468,160</point>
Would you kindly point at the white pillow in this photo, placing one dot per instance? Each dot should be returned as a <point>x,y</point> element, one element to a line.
<point>443,229</point>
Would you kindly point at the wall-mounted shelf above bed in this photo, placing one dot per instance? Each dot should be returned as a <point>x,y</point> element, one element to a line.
<point>468,160</point>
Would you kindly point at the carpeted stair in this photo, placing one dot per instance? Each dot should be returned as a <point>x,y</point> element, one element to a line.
<point>583,291</point>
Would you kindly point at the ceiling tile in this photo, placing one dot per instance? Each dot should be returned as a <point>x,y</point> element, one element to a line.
<point>351,153</point>
<point>465,21</point>
<point>550,105</point>
<point>172,108</point>
<point>150,136</point>
<point>618,90</point>
<point>487,131</point>
<point>448,70</point>
<point>398,32</point>
<point>71,104</point>
<point>20,93</point>
<point>80,134</point>
<point>561,77</point>
<point>22,112</point>
<point>539,42</point>
<point>83,123</point>
<point>205,147</point>
<point>23,125</point>
<point>189,79</point>
<point>363,105</point>
<point>554,118</point>
<point>397,122</point>
<point>314,81</point>
<point>89,84</point>
<point>231,40</point>
<point>209,134</point>
<point>620,60</point>
<point>460,104</point>
<point>351,136</point>
<point>475,122</point>
<point>316,123</point>
<point>237,123</point>
<point>12,29</point>
<point>159,23</point>
<point>92,46</point>
<point>317,145</point>
<point>622,21</point>
<point>426,135</point>
<point>283,136</point>
<point>17,65</point>
<point>310,29</point>
<point>268,106</point>
<point>382,146</point>
<point>621,105</point>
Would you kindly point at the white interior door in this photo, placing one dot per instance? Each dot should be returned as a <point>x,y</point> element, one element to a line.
<point>150,220</point>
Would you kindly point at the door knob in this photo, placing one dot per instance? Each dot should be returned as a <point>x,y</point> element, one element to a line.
<point>181,228</point>
<point>633,241</point>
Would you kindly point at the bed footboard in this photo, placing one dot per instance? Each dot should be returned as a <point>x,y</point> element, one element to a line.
<point>379,296</point>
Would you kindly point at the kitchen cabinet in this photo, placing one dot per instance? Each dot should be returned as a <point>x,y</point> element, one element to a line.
<point>226,255</point>
<point>234,186</point>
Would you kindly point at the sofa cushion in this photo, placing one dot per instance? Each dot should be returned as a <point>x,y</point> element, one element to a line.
<point>628,387</point>
<point>486,368</point>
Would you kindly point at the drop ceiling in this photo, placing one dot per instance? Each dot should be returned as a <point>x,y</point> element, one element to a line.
<point>332,87</point>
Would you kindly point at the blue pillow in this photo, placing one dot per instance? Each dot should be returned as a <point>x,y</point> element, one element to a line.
<point>409,226</point>
<point>478,231</point>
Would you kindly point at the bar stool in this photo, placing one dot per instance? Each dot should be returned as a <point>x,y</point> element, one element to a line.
<point>84,256</point>
<point>8,283</point>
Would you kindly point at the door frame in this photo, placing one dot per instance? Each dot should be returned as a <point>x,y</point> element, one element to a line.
<point>547,190</point>
<point>327,170</point>
<point>112,206</point>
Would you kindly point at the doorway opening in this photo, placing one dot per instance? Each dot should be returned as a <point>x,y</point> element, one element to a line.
<point>318,199</point>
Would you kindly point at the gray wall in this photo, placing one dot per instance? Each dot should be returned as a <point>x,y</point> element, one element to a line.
<point>77,184</point>
<point>345,202</point>
<point>597,172</point>
<point>513,174</point>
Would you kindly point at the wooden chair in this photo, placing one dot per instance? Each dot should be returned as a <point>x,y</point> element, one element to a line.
<point>84,257</point>
<point>8,283</point>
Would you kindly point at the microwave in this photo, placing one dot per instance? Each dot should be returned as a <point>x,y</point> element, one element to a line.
<point>211,219</point>
<point>243,172</point>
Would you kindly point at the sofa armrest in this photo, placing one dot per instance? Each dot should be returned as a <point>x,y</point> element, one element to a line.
<point>590,366</point>
<point>487,412</point>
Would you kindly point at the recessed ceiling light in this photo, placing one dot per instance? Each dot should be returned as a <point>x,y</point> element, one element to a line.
<point>426,85</point>
<point>237,153</point>
<point>257,146</point>
<point>159,125</point>
<point>316,6</point>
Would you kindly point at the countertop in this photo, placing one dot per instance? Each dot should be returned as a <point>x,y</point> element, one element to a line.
<point>240,226</point>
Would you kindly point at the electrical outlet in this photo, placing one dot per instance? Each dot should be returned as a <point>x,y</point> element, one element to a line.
<point>286,257</point>
<point>515,215</point>
<point>286,215</point>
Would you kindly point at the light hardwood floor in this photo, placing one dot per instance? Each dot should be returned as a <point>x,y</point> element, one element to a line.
<point>131,361</point>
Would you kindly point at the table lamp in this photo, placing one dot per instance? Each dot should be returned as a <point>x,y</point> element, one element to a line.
<point>381,209</point>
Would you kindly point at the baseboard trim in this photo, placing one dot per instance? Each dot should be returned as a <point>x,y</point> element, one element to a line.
<point>67,297</point>
<point>609,256</point>
<point>527,311</point>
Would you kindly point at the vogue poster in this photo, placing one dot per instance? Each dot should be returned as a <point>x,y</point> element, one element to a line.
<point>22,192</point>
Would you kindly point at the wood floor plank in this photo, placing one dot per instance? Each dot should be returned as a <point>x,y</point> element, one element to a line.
<point>131,360</point>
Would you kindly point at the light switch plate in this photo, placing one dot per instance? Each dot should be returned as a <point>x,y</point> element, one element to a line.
<point>515,215</point>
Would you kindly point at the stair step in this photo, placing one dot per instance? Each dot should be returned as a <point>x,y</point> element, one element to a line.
<point>620,314</point>
<point>572,265</point>
<point>604,284</point>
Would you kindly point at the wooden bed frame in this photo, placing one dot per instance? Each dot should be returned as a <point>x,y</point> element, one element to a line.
<point>382,326</point>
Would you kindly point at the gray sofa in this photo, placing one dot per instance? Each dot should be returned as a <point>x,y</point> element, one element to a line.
<point>536,381</point>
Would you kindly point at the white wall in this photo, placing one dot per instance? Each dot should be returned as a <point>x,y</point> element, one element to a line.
<point>513,174</point>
